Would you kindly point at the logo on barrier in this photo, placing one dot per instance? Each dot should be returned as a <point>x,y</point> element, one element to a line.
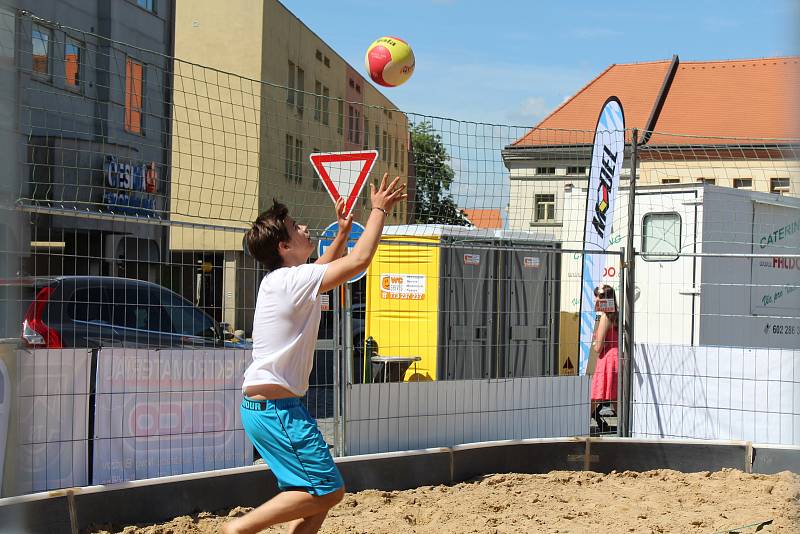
<point>124,370</point>
<point>164,418</point>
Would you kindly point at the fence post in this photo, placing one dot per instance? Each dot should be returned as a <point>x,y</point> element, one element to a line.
<point>337,360</point>
<point>630,291</point>
<point>621,408</point>
<point>346,378</point>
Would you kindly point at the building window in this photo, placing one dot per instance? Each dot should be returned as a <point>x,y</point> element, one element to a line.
<point>661,236</point>
<point>340,118</point>
<point>290,84</point>
<point>301,86</point>
<point>315,182</point>
<point>366,132</point>
<point>319,55</point>
<point>350,133</point>
<point>317,100</point>
<point>358,88</point>
<point>581,171</point>
<point>134,102</point>
<point>389,157</point>
<point>288,158</point>
<point>385,146</point>
<point>357,122</point>
<point>743,183</point>
<point>149,5</point>
<point>779,185</point>
<point>710,181</point>
<point>293,159</point>
<point>396,153</point>
<point>352,83</point>
<point>545,170</point>
<point>40,41</point>
<point>670,180</point>
<point>326,100</point>
<point>377,138</point>
<point>72,63</point>
<point>545,208</point>
<point>298,161</point>
<point>402,157</point>
<point>327,62</point>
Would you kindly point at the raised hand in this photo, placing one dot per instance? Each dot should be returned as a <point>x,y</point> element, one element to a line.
<point>345,221</point>
<point>386,196</point>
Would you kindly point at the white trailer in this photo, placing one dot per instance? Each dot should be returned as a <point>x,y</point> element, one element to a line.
<point>726,297</point>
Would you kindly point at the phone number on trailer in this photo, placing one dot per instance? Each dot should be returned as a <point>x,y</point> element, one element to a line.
<point>785,329</point>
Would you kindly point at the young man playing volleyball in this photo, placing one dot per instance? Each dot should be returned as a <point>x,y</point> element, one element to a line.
<point>285,327</point>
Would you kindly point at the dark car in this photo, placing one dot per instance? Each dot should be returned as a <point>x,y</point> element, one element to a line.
<point>100,311</point>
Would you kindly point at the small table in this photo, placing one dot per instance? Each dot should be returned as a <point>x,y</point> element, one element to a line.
<point>399,360</point>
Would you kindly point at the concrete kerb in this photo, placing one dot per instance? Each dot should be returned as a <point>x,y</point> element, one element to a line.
<point>155,500</point>
<point>397,470</point>
<point>517,456</point>
<point>41,512</point>
<point>688,456</point>
<point>770,459</point>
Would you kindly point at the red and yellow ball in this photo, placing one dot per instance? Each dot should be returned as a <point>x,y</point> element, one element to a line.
<point>389,61</point>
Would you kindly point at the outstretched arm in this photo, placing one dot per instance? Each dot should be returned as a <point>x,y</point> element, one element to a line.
<point>600,333</point>
<point>339,245</point>
<point>383,200</point>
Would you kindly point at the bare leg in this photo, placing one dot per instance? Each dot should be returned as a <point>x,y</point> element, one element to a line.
<point>307,525</point>
<point>594,415</point>
<point>286,506</point>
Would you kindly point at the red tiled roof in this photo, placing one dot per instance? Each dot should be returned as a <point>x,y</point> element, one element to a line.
<point>485,218</point>
<point>748,98</point>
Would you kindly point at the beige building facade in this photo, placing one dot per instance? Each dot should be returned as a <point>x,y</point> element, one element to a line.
<point>538,180</point>
<point>255,92</point>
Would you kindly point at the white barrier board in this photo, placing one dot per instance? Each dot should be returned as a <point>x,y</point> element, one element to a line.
<point>168,412</point>
<point>52,399</point>
<point>716,393</point>
<point>418,415</point>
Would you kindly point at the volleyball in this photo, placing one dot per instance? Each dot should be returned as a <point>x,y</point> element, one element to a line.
<point>389,61</point>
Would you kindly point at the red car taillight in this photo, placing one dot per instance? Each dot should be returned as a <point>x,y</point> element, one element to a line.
<point>34,331</point>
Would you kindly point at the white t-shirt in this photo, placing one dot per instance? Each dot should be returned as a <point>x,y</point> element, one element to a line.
<point>285,328</point>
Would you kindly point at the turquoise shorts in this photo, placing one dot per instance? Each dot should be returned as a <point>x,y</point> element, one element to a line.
<point>288,439</point>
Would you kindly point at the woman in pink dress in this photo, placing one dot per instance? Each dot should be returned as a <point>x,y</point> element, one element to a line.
<point>605,343</point>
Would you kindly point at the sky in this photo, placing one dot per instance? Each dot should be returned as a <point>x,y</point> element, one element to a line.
<point>511,62</point>
<point>514,61</point>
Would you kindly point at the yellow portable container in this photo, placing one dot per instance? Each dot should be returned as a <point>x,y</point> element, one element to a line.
<point>449,302</point>
<point>402,301</point>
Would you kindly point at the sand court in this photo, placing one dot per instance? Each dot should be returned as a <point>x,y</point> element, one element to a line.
<point>657,501</point>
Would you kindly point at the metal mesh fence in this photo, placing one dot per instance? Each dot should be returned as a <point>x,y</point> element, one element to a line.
<point>134,175</point>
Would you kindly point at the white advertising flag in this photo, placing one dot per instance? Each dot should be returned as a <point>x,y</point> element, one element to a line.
<point>607,156</point>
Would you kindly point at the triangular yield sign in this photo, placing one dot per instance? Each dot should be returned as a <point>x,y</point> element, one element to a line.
<point>344,173</point>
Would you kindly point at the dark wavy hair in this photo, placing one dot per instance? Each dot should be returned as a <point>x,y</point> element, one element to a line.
<point>607,292</point>
<point>266,233</point>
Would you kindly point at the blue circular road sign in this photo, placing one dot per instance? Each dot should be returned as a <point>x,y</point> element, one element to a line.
<point>326,239</point>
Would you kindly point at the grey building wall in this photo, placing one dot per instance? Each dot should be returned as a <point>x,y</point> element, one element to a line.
<point>69,135</point>
<point>12,228</point>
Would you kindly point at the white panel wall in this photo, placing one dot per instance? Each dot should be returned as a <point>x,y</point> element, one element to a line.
<point>52,389</point>
<point>716,393</point>
<point>168,412</point>
<point>417,415</point>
